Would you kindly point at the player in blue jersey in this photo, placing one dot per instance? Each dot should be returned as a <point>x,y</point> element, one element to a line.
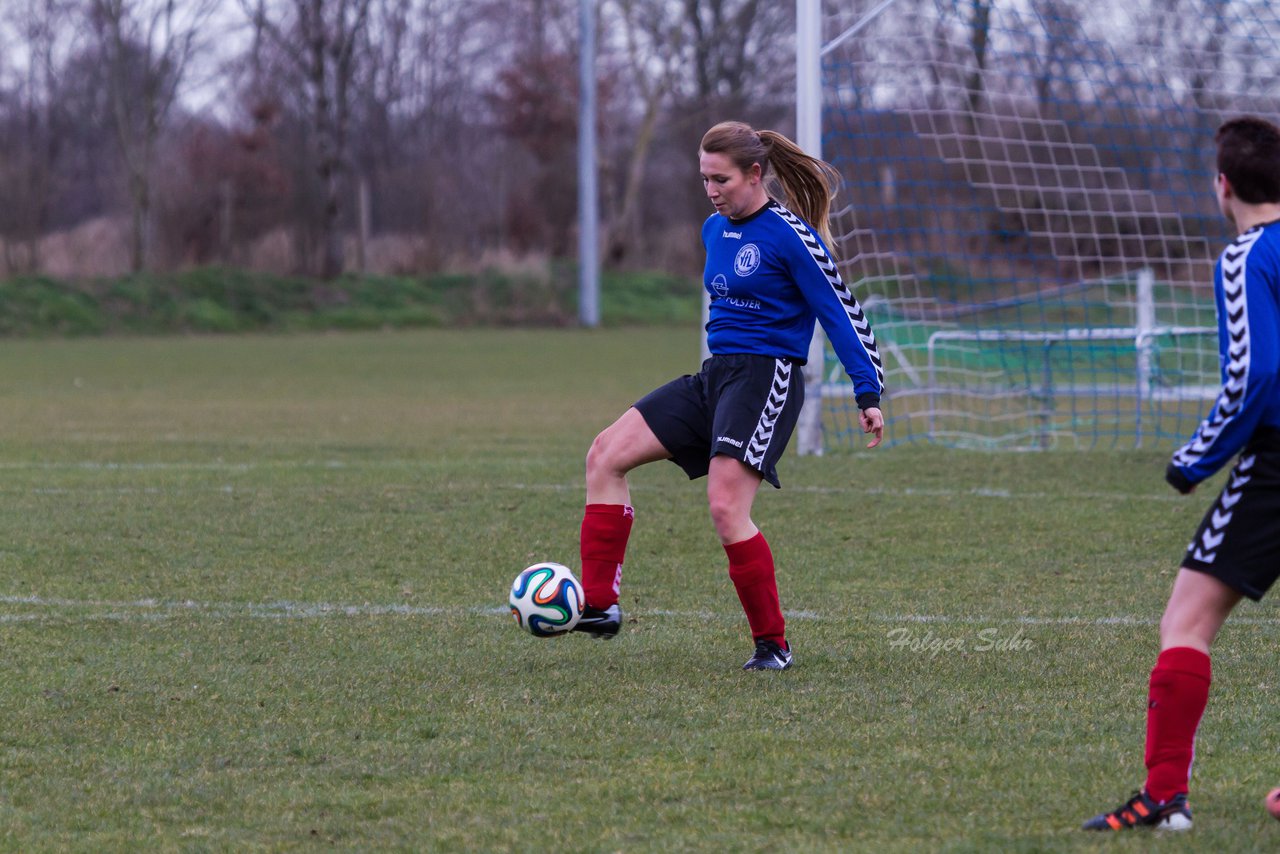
<point>1236,550</point>
<point>769,275</point>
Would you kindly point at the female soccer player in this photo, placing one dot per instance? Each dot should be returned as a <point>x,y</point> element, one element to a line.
<point>1236,550</point>
<point>769,274</point>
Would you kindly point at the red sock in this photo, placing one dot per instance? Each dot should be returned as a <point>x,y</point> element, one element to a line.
<point>605,529</point>
<point>753,575</point>
<point>1179,693</point>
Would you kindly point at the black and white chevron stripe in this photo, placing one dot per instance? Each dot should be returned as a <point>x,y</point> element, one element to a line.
<point>763,434</point>
<point>828,267</point>
<point>1231,398</point>
<point>1206,547</point>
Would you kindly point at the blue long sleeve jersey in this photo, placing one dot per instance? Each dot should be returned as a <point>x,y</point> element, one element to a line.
<point>1246,288</point>
<point>769,276</point>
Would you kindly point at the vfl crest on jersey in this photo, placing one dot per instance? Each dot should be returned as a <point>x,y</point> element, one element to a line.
<point>747,260</point>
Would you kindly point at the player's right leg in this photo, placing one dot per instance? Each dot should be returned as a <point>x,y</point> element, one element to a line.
<point>1178,692</point>
<point>607,517</point>
<point>757,405</point>
<point>1235,553</point>
<point>731,490</point>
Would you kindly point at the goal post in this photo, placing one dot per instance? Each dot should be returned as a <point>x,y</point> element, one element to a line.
<point>810,48</point>
<point>1025,210</point>
<point>809,138</point>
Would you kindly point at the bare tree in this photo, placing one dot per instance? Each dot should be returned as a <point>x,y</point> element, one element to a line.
<point>533,102</point>
<point>739,55</point>
<point>325,43</point>
<point>652,44</point>
<point>30,134</point>
<point>147,45</point>
<point>1060,22</point>
<point>979,38</point>
<point>452,51</point>
<point>674,67</point>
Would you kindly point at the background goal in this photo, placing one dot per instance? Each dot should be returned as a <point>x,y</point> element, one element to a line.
<point>1027,212</point>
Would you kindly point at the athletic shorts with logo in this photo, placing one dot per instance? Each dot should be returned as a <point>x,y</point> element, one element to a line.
<point>1238,541</point>
<point>742,406</point>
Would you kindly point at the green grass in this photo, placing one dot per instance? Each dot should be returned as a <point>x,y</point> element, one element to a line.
<point>251,597</point>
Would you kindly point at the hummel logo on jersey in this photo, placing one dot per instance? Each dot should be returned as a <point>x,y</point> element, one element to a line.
<point>736,235</point>
<point>733,442</point>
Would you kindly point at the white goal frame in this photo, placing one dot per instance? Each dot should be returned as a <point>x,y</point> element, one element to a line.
<point>926,380</point>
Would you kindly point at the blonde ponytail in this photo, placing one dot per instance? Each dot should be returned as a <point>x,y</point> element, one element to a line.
<point>807,185</point>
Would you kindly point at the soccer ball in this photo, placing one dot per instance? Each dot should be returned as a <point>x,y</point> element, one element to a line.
<point>546,600</point>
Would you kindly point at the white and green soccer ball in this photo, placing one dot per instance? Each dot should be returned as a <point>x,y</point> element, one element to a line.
<point>546,600</point>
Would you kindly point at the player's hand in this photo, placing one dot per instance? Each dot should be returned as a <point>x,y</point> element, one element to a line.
<point>1175,478</point>
<point>872,422</point>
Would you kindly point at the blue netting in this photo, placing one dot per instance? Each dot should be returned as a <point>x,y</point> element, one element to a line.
<point>1027,211</point>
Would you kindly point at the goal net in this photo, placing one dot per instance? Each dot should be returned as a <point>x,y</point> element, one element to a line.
<point>1027,212</point>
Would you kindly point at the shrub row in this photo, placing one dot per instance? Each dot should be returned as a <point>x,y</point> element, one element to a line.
<point>217,300</point>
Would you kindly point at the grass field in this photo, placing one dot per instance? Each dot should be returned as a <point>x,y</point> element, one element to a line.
<point>251,598</point>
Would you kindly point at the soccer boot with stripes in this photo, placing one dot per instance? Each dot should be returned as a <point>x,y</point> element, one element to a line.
<point>769,655</point>
<point>1142,811</point>
<point>600,624</point>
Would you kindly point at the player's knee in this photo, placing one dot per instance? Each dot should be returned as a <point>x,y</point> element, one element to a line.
<point>595,455</point>
<point>601,459</point>
<point>726,511</point>
<point>720,516</point>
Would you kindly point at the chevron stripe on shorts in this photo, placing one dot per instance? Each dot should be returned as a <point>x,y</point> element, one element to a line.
<point>1214,530</point>
<point>763,435</point>
<point>1238,541</point>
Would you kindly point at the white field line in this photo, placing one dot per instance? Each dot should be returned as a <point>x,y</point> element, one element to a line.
<point>179,465</point>
<point>898,492</point>
<point>18,609</point>
<point>276,489</point>
<point>908,492</point>
<point>159,609</point>
<point>223,467</point>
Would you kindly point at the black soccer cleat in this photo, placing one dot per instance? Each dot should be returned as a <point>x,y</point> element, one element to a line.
<point>1142,811</point>
<point>601,625</point>
<point>769,655</point>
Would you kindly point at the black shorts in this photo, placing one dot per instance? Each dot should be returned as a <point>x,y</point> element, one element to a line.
<point>740,406</point>
<point>1238,541</point>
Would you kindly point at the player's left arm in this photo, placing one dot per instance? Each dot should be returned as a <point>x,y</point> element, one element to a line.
<point>1251,370</point>
<point>844,322</point>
